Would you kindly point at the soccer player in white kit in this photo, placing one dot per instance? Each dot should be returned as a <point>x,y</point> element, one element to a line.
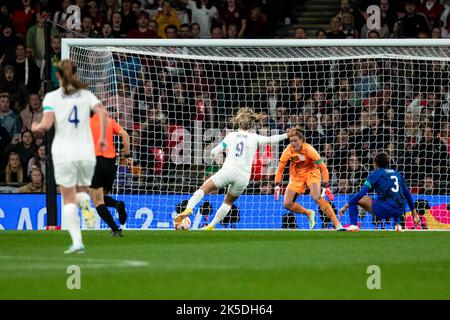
<point>235,173</point>
<point>69,108</point>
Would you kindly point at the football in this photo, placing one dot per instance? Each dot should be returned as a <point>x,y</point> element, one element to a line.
<point>185,224</point>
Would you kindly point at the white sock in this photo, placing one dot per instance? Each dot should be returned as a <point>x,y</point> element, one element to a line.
<point>196,197</point>
<point>220,214</point>
<point>82,197</point>
<point>72,220</point>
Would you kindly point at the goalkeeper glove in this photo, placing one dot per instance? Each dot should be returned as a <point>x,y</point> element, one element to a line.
<point>277,192</point>
<point>327,191</point>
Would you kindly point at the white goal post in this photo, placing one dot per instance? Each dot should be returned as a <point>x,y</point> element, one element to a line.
<point>353,98</point>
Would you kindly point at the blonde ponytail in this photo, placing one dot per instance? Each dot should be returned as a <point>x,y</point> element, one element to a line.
<point>69,82</point>
<point>246,118</point>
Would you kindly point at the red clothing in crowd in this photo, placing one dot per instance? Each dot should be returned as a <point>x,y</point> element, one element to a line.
<point>22,20</point>
<point>433,14</point>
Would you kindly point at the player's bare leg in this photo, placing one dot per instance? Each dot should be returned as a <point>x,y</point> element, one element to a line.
<point>222,211</point>
<point>324,205</point>
<point>289,203</point>
<point>207,187</point>
<point>70,214</point>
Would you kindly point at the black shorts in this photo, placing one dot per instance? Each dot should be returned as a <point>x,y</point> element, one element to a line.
<point>105,173</point>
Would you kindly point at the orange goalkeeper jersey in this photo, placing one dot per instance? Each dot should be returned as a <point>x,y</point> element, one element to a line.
<point>302,162</point>
<point>112,128</point>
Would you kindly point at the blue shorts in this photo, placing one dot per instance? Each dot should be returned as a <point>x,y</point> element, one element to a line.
<point>382,212</point>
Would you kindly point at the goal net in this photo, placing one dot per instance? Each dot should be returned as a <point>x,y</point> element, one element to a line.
<point>352,100</point>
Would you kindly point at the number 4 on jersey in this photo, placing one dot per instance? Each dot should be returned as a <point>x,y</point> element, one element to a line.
<point>73,117</point>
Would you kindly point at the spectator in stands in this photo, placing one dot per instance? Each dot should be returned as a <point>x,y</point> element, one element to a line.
<point>344,186</point>
<point>38,159</point>
<point>32,112</point>
<point>55,57</point>
<point>232,31</point>
<point>171,32</point>
<point>300,33</point>
<point>412,23</point>
<point>36,184</point>
<point>14,173</point>
<point>180,108</point>
<point>98,18</point>
<point>9,119</point>
<point>321,34</point>
<point>18,93</point>
<point>26,148</point>
<point>388,15</point>
<point>348,25</point>
<point>195,30</point>
<point>345,7</point>
<point>436,33</point>
<point>366,79</point>
<point>293,95</point>
<point>142,31</point>
<point>5,14</point>
<point>355,171</point>
<point>153,26</point>
<point>128,17</point>
<point>60,16</point>
<point>216,32</point>
<point>87,27</point>
<point>9,42</point>
<point>36,37</point>
<point>233,14</point>
<point>335,29</point>
<point>379,136</point>
<point>108,9</point>
<point>432,10</point>
<point>26,69</point>
<point>82,5</point>
<point>313,133</point>
<point>256,23</point>
<point>23,18</point>
<point>317,103</point>
<point>341,150</point>
<point>185,31</point>
<point>117,30</point>
<point>203,13</point>
<point>106,31</point>
<point>166,16</point>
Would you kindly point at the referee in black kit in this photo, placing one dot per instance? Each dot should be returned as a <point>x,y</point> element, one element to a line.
<point>105,173</point>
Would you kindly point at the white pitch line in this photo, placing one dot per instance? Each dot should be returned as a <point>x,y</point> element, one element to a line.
<point>48,263</point>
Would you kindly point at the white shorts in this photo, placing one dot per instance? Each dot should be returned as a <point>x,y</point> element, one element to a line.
<point>236,182</point>
<point>74,173</point>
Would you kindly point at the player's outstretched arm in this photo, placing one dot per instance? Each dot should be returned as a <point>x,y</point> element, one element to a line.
<point>276,138</point>
<point>355,198</point>
<point>45,124</point>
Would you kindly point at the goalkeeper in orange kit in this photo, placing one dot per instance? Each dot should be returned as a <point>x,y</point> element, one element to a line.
<point>305,170</point>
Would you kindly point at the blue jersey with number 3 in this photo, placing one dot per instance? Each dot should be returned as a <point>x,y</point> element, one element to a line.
<point>389,184</point>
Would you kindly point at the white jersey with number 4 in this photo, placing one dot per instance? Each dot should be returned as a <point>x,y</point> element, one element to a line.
<point>73,139</point>
<point>241,148</point>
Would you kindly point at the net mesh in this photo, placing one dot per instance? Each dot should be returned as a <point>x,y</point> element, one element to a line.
<point>351,102</point>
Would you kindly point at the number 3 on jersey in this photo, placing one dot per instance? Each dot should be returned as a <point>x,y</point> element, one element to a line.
<point>73,117</point>
<point>397,187</point>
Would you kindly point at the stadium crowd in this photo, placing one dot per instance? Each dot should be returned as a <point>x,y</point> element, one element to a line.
<point>347,113</point>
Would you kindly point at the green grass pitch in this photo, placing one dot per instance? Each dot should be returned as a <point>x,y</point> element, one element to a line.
<point>226,265</point>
